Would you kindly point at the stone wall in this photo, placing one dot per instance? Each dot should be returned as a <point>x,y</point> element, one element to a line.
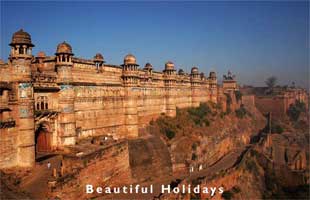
<point>106,166</point>
<point>84,101</point>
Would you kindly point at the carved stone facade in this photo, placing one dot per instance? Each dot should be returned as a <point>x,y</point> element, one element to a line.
<point>48,102</point>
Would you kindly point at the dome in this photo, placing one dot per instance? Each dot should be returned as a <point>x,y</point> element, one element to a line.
<point>181,72</point>
<point>169,65</point>
<point>41,54</point>
<point>212,75</point>
<point>1,62</point>
<point>194,70</point>
<point>21,37</point>
<point>98,57</point>
<point>202,75</point>
<point>64,48</point>
<point>148,66</point>
<point>130,60</point>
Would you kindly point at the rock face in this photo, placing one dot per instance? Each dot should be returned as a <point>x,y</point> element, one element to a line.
<point>262,173</point>
<point>204,146</point>
<point>149,159</point>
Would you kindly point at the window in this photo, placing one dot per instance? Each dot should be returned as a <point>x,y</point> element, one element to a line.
<point>42,103</point>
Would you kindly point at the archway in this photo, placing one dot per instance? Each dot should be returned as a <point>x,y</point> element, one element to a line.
<point>43,138</point>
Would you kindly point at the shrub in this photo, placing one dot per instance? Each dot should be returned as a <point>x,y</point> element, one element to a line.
<point>236,189</point>
<point>295,110</point>
<point>241,112</point>
<point>194,156</point>
<point>194,146</point>
<point>238,95</point>
<point>276,128</point>
<point>227,195</point>
<point>206,122</point>
<point>200,111</point>
<point>169,133</point>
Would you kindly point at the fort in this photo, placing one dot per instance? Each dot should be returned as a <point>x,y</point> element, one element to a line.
<point>49,102</point>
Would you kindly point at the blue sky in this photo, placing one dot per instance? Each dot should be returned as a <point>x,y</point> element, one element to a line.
<point>252,39</point>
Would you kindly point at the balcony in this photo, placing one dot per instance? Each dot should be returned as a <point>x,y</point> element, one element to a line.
<point>48,113</point>
<point>7,123</point>
<point>44,82</point>
<point>4,105</point>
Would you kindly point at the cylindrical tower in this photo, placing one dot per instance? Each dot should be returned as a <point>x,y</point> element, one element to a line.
<point>66,115</point>
<point>20,58</point>
<point>195,86</point>
<point>99,60</point>
<point>170,83</point>
<point>213,86</point>
<point>131,82</point>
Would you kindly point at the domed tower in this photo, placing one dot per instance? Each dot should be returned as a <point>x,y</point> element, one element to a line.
<point>64,66</point>
<point>202,76</point>
<point>181,72</point>
<point>64,62</point>
<point>98,60</point>
<point>131,80</point>
<point>130,71</point>
<point>212,78</point>
<point>22,91</point>
<point>21,45</point>
<point>195,77</point>
<point>148,67</point>
<point>213,86</point>
<point>170,83</point>
<point>64,54</point>
<point>195,83</point>
<point>169,74</point>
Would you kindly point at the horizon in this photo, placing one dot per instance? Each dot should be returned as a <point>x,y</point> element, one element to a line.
<point>255,40</point>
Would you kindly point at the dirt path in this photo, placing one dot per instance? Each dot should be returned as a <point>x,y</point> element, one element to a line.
<point>36,183</point>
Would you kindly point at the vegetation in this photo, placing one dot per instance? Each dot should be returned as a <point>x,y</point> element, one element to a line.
<point>198,115</point>
<point>227,195</point>
<point>295,110</point>
<point>238,95</point>
<point>186,119</point>
<point>169,133</point>
<point>194,146</point>
<point>194,156</point>
<point>276,128</point>
<point>241,112</point>
<point>271,82</point>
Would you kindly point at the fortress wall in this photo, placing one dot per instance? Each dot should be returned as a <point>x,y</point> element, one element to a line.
<point>151,103</point>
<point>248,100</point>
<point>8,147</point>
<point>274,104</point>
<point>88,74</point>
<point>99,110</point>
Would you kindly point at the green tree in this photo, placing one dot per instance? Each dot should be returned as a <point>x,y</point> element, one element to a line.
<point>271,82</point>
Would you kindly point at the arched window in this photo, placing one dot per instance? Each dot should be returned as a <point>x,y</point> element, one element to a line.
<point>42,103</point>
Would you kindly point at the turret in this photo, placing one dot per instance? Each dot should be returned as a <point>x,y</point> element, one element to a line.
<point>64,62</point>
<point>98,60</point>
<point>170,82</point>
<point>64,67</point>
<point>195,77</point>
<point>169,74</point>
<point>21,45</point>
<point>130,71</point>
<point>22,92</point>
<point>213,86</point>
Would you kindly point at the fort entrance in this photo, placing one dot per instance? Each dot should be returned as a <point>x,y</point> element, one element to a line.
<point>44,131</point>
<point>43,138</point>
